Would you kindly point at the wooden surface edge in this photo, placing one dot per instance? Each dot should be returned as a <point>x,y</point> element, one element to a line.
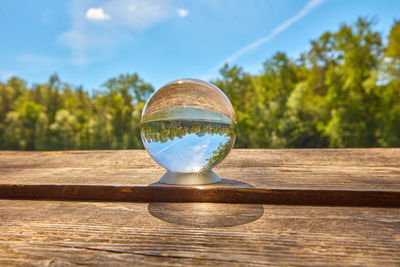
<point>158,193</point>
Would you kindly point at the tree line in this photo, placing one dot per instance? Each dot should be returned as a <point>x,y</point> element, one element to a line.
<point>343,92</point>
<point>165,131</point>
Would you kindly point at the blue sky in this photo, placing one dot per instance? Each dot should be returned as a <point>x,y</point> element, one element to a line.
<point>86,42</point>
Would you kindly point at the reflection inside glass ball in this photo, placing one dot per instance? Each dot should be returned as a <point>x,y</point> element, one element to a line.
<point>188,126</point>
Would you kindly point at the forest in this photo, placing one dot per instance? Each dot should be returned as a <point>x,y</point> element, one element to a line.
<point>343,92</point>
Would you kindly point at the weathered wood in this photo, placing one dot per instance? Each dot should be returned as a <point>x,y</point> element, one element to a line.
<point>98,233</point>
<point>122,233</point>
<point>358,177</point>
<point>213,193</point>
<point>336,169</point>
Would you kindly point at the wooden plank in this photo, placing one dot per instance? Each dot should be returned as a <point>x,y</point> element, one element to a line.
<point>311,169</point>
<point>117,233</point>
<point>363,177</point>
<point>211,193</point>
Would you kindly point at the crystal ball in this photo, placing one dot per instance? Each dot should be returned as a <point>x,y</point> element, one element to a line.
<point>188,126</point>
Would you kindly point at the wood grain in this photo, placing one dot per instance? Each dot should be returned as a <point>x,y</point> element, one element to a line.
<point>190,93</point>
<point>69,233</point>
<point>357,177</point>
<point>59,233</point>
<point>336,169</point>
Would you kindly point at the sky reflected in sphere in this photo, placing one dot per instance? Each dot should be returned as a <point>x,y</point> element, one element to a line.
<point>188,126</point>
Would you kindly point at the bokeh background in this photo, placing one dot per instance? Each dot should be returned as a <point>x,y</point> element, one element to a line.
<point>316,73</point>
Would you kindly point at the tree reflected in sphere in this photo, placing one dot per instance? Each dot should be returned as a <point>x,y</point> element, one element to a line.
<point>188,126</point>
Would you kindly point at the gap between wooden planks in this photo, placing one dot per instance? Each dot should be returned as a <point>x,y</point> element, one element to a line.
<point>355,177</point>
<point>214,194</point>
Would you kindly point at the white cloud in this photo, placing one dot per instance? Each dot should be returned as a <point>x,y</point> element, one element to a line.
<point>137,14</point>
<point>182,12</point>
<point>310,6</point>
<point>77,41</point>
<point>197,157</point>
<point>92,42</point>
<point>97,14</point>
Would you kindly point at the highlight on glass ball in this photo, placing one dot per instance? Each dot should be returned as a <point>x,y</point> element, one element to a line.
<point>188,126</point>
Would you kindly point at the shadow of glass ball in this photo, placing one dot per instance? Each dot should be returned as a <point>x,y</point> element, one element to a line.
<point>206,215</point>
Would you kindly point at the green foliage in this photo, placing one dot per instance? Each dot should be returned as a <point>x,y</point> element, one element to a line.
<point>343,92</point>
<point>164,131</point>
<point>54,115</point>
<point>237,85</point>
<point>218,155</point>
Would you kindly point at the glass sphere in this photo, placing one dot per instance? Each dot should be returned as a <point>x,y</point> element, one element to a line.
<point>188,126</point>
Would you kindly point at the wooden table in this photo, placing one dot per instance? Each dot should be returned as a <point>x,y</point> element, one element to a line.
<point>279,207</point>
